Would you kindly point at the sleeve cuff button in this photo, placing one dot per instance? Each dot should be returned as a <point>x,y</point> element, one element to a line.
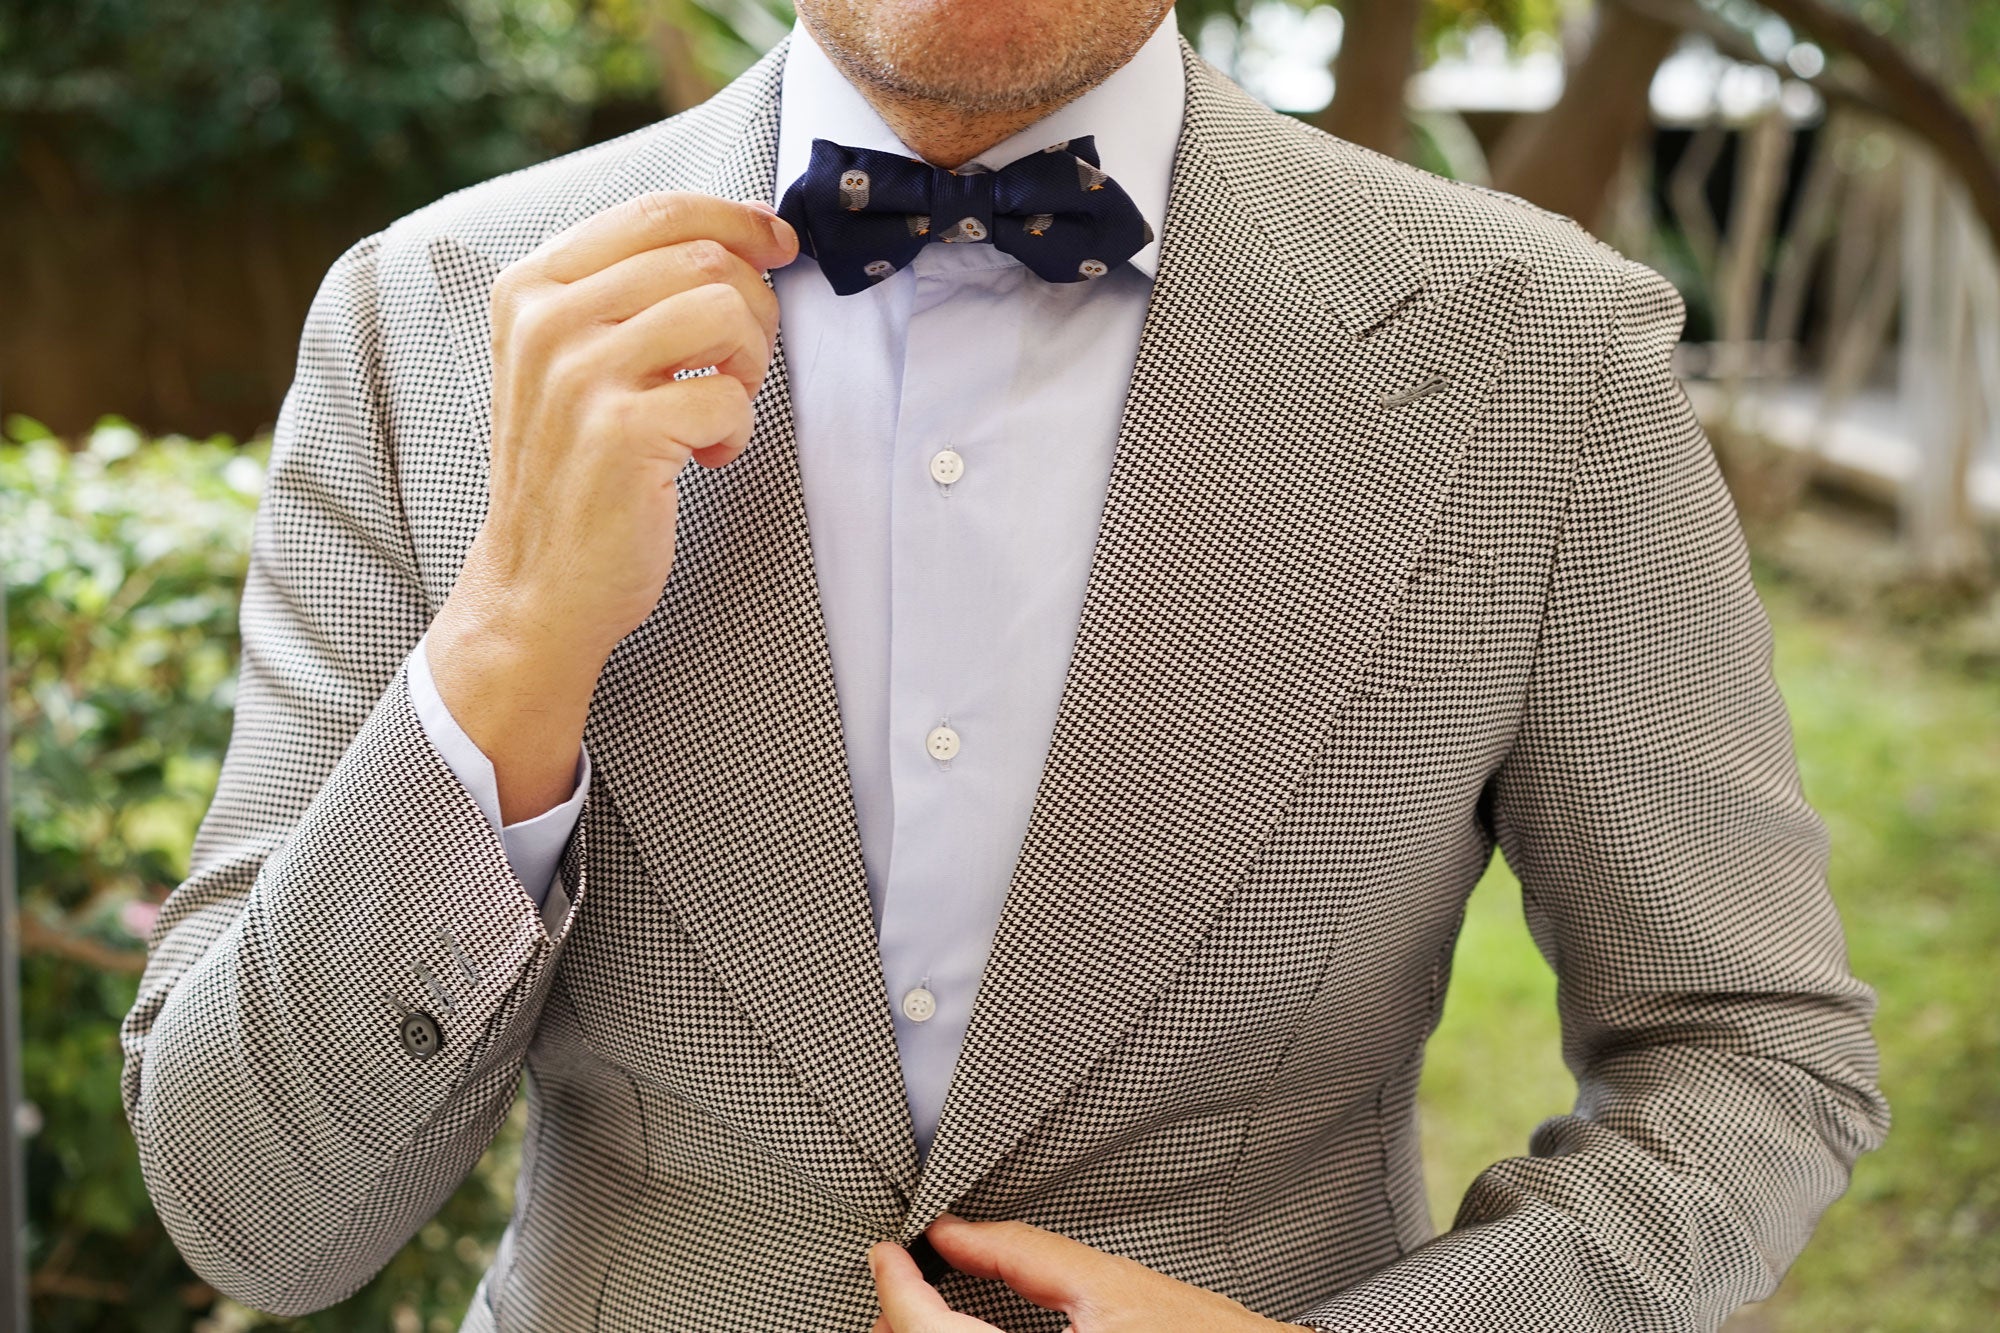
<point>420,1035</point>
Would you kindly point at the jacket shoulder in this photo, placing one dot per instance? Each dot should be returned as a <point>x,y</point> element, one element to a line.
<point>1459,225</point>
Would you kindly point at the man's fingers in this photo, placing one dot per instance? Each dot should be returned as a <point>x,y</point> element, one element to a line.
<point>1051,1270</point>
<point>909,1304</point>
<point>707,415</point>
<point>704,326</point>
<point>664,217</point>
<point>638,281</point>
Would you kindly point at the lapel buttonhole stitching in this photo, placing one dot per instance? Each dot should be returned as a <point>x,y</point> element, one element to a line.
<point>1423,389</point>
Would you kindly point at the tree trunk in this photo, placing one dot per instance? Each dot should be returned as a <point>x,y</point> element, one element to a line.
<point>1378,52</point>
<point>683,81</point>
<point>1566,157</point>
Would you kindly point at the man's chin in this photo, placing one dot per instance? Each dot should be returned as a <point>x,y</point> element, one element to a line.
<point>982,55</point>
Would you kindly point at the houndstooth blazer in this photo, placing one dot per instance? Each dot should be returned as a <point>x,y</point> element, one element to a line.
<point>1411,547</point>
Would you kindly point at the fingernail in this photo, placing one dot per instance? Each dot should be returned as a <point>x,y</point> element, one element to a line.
<point>763,207</point>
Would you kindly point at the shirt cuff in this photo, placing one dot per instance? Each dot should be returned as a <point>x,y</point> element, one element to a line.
<point>534,846</point>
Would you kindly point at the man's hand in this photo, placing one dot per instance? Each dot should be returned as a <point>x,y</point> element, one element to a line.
<point>590,430</point>
<point>1101,1293</point>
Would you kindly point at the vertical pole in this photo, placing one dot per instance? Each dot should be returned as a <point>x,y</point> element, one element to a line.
<point>13,1189</point>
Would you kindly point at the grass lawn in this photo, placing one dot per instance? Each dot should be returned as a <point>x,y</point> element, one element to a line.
<point>1902,759</point>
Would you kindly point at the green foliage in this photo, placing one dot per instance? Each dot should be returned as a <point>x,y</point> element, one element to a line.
<point>1445,20</point>
<point>120,562</point>
<point>123,561</point>
<point>302,98</point>
<point>1901,755</point>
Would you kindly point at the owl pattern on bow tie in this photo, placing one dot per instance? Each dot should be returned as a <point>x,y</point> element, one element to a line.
<point>965,229</point>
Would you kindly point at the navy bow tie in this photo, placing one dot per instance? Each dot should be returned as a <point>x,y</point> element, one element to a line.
<point>863,214</point>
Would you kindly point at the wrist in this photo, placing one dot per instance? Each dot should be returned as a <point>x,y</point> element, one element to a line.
<point>504,630</point>
<point>520,694</point>
<point>484,655</point>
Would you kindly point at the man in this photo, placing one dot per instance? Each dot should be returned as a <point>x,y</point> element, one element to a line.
<point>1017,796</point>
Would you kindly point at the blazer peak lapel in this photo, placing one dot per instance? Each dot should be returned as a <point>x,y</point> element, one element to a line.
<point>716,727</point>
<point>720,731</point>
<point>1268,499</point>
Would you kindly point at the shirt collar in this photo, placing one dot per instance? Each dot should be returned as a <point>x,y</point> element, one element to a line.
<point>1135,116</point>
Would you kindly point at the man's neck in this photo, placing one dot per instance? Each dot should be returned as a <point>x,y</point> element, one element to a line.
<point>948,136</point>
<point>944,134</point>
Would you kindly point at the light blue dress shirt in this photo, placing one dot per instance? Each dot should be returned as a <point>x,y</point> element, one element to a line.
<point>955,425</point>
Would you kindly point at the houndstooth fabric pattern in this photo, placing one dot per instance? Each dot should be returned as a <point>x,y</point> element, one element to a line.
<point>1412,547</point>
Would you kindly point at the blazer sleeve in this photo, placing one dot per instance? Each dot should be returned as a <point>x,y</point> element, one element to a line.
<point>294,1124</point>
<point>1675,878</point>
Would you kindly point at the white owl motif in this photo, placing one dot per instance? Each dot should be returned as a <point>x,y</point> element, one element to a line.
<point>1093,268</point>
<point>1089,177</point>
<point>1037,223</point>
<point>918,223</point>
<point>1056,147</point>
<point>878,269</point>
<point>965,229</point>
<point>854,190</point>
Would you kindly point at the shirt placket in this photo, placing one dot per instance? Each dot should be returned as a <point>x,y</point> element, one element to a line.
<point>936,764</point>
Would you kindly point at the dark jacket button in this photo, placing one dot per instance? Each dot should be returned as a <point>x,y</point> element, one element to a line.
<point>929,1262</point>
<point>420,1034</point>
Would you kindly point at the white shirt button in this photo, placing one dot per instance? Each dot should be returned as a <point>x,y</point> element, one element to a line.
<point>942,742</point>
<point>947,466</point>
<point>919,1004</point>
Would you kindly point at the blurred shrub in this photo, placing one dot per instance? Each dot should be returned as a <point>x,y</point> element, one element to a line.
<point>227,96</point>
<point>123,562</point>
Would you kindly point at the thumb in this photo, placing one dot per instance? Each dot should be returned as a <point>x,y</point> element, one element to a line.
<point>909,1303</point>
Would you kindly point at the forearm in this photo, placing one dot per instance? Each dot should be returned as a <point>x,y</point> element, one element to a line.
<point>281,1117</point>
<point>1637,1211</point>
